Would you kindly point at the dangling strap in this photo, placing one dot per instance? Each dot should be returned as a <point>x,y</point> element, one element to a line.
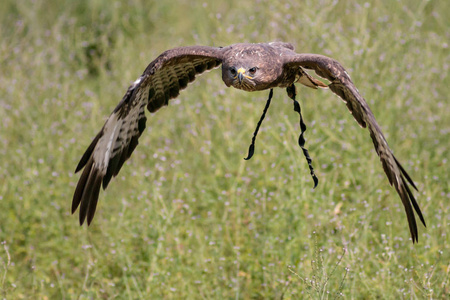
<point>251,149</point>
<point>301,140</point>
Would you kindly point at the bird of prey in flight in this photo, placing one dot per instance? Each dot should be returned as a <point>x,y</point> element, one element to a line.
<point>249,67</point>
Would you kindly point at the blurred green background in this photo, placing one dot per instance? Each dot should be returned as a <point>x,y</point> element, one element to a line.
<point>187,217</point>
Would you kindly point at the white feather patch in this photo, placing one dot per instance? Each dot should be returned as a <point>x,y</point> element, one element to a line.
<point>137,81</point>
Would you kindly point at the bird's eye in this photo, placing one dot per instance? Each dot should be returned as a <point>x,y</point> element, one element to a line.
<point>233,71</point>
<point>252,71</point>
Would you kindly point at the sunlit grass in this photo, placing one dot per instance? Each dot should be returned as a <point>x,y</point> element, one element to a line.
<point>187,217</point>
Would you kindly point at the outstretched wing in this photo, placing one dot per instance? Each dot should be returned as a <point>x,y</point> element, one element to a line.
<point>342,85</point>
<point>161,81</point>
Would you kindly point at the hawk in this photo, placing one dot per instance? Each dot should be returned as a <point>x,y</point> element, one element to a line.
<point>249,67</point>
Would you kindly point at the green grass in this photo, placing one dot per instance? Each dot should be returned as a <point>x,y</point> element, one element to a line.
<point>187,217</point>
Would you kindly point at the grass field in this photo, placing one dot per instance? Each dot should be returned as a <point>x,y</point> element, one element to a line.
<point>187,217</point>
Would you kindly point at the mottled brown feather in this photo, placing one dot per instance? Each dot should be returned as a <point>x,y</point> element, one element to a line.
<point>161,81</point>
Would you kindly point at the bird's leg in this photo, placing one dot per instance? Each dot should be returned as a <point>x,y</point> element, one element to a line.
<point>301,140</point>
<point>251,149</point>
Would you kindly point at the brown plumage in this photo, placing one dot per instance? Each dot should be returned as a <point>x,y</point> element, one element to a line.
<point>250,67</point>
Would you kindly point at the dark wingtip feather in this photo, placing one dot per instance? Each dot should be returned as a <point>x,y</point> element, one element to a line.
<point>90,192</point>
<point>94,199</point>
<point>414,203</point>
<point>77,196</point>
<point>87,155</point>
<point>405,196</point>
<point>408,196</point>
<point>405,174</point>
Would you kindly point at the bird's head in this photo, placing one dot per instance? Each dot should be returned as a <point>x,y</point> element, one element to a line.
<point>242,77</point>
<point>250,67</point>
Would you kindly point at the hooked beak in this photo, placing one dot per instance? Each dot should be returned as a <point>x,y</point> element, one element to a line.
<point>240,74</point>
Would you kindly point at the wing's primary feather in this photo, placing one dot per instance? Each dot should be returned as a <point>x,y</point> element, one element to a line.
<point>161,81</point>
<point>342,85</point>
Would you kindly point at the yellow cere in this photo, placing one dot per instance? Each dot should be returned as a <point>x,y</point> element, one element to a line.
<point>242,71</point>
